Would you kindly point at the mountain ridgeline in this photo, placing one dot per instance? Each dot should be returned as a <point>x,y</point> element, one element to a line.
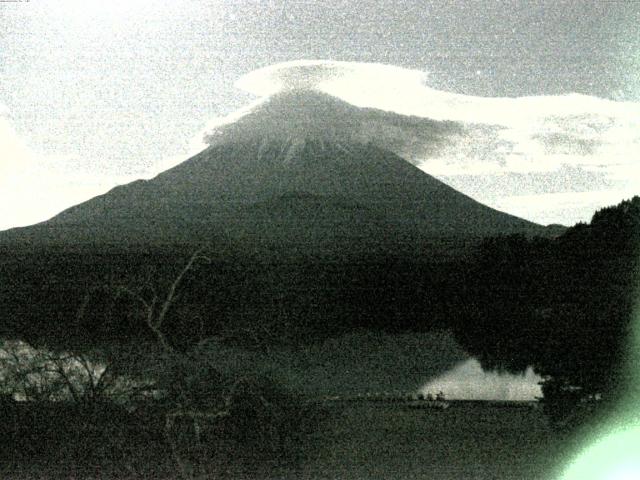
<point>299,193</point>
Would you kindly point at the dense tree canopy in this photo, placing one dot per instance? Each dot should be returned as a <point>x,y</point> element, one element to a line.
<point>563,305</point>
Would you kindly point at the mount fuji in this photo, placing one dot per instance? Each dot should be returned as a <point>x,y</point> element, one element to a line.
<point>314,228</point>
<point>300,170</point>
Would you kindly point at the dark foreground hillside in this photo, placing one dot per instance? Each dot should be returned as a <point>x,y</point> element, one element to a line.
<point>350,441</point>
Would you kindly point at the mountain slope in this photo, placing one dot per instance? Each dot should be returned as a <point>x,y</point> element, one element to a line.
<point>274,178</point>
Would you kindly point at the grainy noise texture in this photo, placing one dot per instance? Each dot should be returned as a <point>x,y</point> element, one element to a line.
<point>272,239</point>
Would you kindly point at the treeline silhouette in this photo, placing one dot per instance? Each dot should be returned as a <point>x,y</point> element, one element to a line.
<point>75,299</point>
<point>562,305</point>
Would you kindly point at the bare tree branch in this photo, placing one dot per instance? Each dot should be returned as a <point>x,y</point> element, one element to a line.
<point>57,364</point>
<point>155,320</point>
<point>104,380</point>
<point>172,290</point>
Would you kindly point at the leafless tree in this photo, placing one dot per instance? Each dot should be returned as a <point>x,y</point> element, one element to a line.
<point>43,375</point>
<point>156,305</point>
<point>189,410</point>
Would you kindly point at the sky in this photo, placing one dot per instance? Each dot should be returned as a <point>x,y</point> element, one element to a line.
<point>94,93</point>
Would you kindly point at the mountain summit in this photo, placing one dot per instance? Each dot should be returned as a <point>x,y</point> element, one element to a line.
<point>292,171</point>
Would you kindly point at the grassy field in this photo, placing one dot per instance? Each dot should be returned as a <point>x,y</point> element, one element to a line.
<point>353,440</point>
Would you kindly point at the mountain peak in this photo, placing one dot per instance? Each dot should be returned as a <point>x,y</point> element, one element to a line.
<point>298,142</point>
<point>292,116</point>
<point>297,114</point>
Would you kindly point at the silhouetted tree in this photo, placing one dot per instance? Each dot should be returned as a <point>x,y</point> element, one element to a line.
<point>563,306</point>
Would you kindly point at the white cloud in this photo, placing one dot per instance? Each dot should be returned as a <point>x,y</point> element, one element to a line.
<point>362,84</point>
<point>445,134</point>
<point>15,154</point>
<point>547,208</point>
<point>497,135</point>
<point>35,187</point>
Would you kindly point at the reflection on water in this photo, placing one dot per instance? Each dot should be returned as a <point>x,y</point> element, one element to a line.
<point>468,381</point>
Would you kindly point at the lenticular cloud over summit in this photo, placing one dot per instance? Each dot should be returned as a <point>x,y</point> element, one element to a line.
<point>560,153</point>
<point>375,82</point>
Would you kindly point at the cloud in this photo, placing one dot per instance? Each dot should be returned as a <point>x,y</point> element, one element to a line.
<point>595,139</point>
<point>385,87</point>
<point>558,206</point>
<point>502,151</point>
<point>35,187</point>
<point>14,153</point>
<point>566,178</point>
<point>561,143</point>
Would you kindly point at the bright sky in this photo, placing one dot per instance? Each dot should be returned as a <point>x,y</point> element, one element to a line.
<point>95,93</point>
